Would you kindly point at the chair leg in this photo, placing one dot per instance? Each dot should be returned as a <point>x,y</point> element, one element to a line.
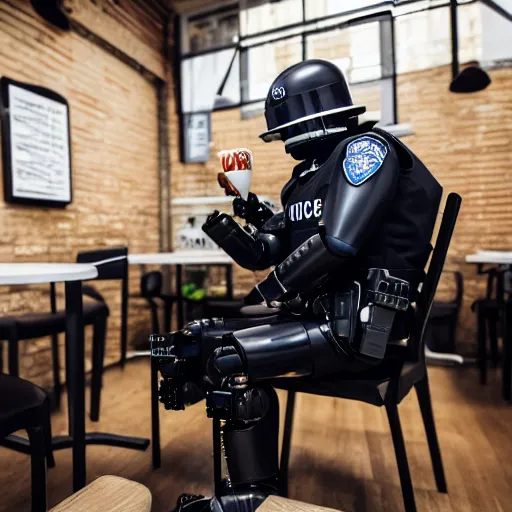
<point>287,444</point>
<point>507,349</point>
<point>38,468</point>
<point>98,353</point>
<point>401,456</point>
<point>155,416</point>
<point>124,318</point>
<point>423,392</point>
<point>13,356</point>
<point>57,385</point>
<point>50,460</point>
<point>492,325</point>
<point>482,348</point>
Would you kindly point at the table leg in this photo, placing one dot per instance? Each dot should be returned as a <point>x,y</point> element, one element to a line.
<point>229,282</point>
<point>181,319</point>
<point>75,355</point>
<point>507,339</point>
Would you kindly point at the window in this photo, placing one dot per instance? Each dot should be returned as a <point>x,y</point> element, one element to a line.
<point>202,76</point>
<point>264,62</point>
<point>364,52</point>
<point>209,61</point>
<point>272,36</point>
<point>322,8</point>
<point>258,16</point>
<point>211,30</point>
<point>356,50</point>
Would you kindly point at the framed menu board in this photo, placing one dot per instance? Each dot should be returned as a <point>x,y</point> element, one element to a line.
<point>36,145</point>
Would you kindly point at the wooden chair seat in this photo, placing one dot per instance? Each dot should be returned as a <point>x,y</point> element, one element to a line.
<point>108,494</point>
<point>278,504</point>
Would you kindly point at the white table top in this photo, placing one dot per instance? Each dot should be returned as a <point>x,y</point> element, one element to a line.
<point>190,257</point>
<point>490,257</point>
<point>38,273</point>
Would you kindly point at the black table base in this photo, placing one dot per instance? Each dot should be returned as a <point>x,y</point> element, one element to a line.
<point>22,444</point>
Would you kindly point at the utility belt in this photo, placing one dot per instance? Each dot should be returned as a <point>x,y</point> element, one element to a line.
<point>360,317</point>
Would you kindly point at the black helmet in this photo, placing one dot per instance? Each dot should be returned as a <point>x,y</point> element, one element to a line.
<point>302,96</point>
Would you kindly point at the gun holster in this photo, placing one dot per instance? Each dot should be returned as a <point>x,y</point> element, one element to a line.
<point>360,318</point>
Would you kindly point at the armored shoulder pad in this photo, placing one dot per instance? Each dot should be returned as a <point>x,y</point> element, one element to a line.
<point>364,157</point>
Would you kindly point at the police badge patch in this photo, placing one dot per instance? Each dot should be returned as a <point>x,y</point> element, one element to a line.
<point>364,158</point>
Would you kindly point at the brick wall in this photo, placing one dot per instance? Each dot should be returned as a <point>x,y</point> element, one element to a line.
<point>464,140</point>
<point>115,167</point>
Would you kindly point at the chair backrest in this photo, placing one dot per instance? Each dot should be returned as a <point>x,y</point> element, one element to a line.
<point>428,291</point>
<point>111,263</point>
<point>459,286</point>
<point>151,284</point>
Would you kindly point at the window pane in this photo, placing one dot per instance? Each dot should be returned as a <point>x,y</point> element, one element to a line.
<point>423,39</point>
<point>212,30</point>
<point>265,62</point>
<point>202,76</point>
<point>321,8</point>
<point>378,99</point>
<point>355,50</point>
<point>261,16</point>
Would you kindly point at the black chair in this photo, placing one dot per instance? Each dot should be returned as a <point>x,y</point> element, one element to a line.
<point>112,265</point>
<point>507,350</point>
<point>24,406</point>
<point>36,325</point>
<point>488,311</point>
<point>387,384</point>
<point>441,330</point>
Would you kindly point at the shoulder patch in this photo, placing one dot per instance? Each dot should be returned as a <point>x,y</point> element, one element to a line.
<point>364,157</point>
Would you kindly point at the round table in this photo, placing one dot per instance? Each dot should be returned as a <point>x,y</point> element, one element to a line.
<point>39,273</point>
<point>72,274</point>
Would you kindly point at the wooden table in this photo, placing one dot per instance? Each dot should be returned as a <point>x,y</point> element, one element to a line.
<point>278,504</point>
<point>188,257</point>
<point>108,494</point>
<point>72,274</point>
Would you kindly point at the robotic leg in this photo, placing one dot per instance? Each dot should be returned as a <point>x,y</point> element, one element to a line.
<point>231,362</point>
<point>231,368</point>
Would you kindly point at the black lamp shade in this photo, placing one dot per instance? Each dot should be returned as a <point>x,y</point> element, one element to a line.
<point>51,11</point>
<point>471,79</point>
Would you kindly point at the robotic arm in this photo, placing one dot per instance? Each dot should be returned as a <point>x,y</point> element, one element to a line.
<point>257,245</point>
<point>352,211</point>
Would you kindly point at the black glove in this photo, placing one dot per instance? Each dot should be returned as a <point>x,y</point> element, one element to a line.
<point>252,210</point>
<point>269,290</point>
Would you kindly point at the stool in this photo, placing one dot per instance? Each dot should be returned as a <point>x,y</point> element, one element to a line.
<point>278,504</point>
<point>108,494</point>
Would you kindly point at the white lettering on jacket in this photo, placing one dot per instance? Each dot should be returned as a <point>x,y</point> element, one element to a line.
<point>305,209</point>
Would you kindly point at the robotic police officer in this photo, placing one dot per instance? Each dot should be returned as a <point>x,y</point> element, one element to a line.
<point>349,251</point>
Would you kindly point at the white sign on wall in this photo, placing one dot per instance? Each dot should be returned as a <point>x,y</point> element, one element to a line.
<point>36,145</point>
<point>196,135</point>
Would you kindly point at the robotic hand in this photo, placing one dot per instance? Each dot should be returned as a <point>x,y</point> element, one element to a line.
<point>199,361</point>
<point>252,211</point>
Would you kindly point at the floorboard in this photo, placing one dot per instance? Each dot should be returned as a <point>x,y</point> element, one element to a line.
<point>342,454</point>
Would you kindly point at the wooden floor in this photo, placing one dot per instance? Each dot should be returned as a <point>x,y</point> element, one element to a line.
<point>342,455</point>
